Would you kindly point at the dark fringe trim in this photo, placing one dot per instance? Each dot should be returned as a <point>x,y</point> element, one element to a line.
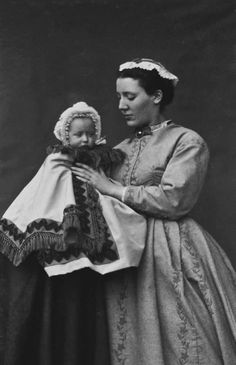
<point>107,255</point>
<point>83,228</point>
<point>51,246</point>
<point>39,225</point>
<point>37,241</point>
<point>72,228</point>
<point>41,234</point>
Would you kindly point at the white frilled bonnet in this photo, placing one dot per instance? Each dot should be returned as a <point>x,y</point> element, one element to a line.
<point>78,110</point>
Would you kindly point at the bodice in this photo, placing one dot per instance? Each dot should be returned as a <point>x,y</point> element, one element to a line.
<point>166,168</point>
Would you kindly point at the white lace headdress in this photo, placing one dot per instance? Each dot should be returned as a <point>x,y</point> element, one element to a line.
<point>78,110</point>
<point>149,65</point>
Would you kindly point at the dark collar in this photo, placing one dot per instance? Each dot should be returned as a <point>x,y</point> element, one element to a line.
<point>143,131</point>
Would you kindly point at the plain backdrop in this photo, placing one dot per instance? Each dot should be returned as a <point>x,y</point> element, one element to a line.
<point>55,53</point>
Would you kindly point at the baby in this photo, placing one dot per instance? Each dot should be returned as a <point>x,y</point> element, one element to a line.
<point>66,222</point>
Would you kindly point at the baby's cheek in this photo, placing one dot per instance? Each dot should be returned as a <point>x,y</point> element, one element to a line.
<point>76,142</point>
<point>92,140</point>
<point>91,143</point>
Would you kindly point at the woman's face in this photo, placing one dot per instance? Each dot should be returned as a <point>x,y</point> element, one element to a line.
<point>82,133</point>
<point>135,104</point>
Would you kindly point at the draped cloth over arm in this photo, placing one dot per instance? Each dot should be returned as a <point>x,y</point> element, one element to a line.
<point>35,221</point>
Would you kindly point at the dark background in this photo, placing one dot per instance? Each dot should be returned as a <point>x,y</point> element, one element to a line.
<point>54,53</point>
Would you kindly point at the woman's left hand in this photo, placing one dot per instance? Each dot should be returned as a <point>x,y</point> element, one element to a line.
<point>95,178</point>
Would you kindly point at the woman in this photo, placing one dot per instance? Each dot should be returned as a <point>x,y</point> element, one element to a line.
<point>179,305</point>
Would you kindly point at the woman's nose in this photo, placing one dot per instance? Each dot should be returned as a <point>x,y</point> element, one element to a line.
<point>122,104</point>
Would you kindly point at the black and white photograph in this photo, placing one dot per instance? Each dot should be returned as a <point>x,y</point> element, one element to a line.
<point>117,182</point>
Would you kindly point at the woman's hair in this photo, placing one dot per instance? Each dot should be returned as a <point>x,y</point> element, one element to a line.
<point>151,81</point>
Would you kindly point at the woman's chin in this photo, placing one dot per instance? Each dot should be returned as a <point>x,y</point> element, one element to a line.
<point>135,124</point>
<point>132,123</point>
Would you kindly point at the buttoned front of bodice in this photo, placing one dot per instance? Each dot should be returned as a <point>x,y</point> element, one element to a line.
<point>164,171</point>
<point>145,160</point>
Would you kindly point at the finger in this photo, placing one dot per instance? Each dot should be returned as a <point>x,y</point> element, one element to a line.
<point>102,173</point>
<point>85,167</point>
<point>82,174</point>
<point>87,181</point>
<point>89,175</point>
<point>81,179</point>
<point>80,171</point>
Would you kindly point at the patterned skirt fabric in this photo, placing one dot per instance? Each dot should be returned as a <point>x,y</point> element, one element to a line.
<point>179,305</point>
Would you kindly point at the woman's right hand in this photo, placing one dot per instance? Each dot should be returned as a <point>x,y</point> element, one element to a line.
<point>98,180</point>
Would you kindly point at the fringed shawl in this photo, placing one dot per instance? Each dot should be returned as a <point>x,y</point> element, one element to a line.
<point>68,223</point>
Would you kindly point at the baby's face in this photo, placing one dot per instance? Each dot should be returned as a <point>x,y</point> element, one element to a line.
<point>82,133</point>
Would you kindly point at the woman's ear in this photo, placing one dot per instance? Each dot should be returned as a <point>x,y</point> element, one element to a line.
<point>157,96</point>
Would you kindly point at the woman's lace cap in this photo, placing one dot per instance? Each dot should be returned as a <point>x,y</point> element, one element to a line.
<point>149,65</point>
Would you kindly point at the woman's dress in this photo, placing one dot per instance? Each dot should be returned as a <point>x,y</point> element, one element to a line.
<point>179,305</point>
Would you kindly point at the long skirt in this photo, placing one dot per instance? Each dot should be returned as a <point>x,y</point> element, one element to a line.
<point>179,306</point>
<point>51,321</point>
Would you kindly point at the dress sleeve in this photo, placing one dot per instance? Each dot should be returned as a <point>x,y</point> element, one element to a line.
<point>179,187</point>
